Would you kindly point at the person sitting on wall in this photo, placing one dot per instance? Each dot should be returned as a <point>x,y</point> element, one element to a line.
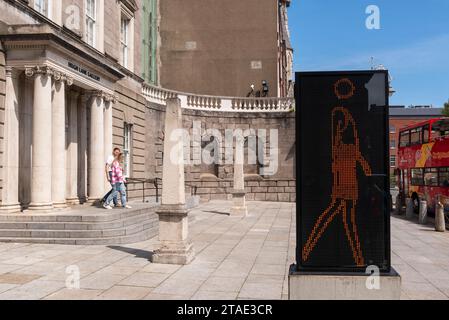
<point>118,182</point>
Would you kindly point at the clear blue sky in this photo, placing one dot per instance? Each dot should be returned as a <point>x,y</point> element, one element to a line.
<point>413,43</point>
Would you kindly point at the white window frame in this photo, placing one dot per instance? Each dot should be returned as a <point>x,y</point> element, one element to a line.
<point>44,7</point>
<point>91,20</point>
<point>124,40</point>
<point>127,146</point>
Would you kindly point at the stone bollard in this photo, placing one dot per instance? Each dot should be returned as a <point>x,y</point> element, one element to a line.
<point>423,212</point>
<point>440,224</point>
<point>409,208</point>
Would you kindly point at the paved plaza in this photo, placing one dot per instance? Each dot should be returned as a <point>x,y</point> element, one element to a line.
<point>236,259</point>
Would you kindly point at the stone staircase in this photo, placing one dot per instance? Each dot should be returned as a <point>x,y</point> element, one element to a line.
<point>82,225</point>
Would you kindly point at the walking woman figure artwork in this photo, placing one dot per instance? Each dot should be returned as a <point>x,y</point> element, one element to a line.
<point>346,157</point>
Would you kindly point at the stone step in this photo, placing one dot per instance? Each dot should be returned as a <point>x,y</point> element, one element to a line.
<point>102,233</point>
<point>138,237</point>
<point>78,215</point>
<point>133,219</point>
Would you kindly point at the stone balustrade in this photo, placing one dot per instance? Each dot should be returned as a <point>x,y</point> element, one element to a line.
<point>215,103</point>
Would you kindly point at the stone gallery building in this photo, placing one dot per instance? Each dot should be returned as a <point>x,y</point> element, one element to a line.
<point>79,77</point>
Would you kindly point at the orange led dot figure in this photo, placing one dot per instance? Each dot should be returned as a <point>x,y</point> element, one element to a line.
<point>345,191</point>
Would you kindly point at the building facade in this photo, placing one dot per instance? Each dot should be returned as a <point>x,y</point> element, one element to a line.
<point>78,77</point>
<point>401,117</point>
<point>224,47</point>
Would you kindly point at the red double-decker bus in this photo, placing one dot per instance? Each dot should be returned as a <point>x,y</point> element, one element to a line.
<point>423,163</point>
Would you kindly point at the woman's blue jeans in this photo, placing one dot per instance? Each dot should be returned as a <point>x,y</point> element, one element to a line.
<point>116,188</point>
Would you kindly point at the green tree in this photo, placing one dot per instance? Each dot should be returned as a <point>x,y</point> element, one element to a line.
<point>446,109</point>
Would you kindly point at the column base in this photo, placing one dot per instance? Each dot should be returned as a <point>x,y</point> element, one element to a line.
<point>73,201</point>
<point>341,286</point>
<point>174,253</point>
<point>40,207</point>
<point>60,205</point>
<point>10,208</point>
<point>239,208</point>
<point>173,235</point>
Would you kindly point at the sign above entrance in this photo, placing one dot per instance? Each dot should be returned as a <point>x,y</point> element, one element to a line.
<point>83,71</point>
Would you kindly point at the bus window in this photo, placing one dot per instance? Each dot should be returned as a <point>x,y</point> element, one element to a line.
<point>431,177</point>
<point>440,129</point>
<point>425,134</point>
<point>417,177</point>
<point>404,139</point>
<point>444,177</point>
<point>415,136</point>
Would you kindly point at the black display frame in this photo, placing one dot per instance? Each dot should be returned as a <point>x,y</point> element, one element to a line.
<point>387,215</point>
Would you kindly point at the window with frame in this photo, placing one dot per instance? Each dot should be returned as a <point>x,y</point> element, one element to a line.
<point>417,177</point>
<point>124,40</point>
<point>404,139</point>
<point>127,146</point>
<point>431,177</point>
<point>392,129</point>
<point>443,177</point>
<point>415,136</point>
<point>392,144</point>
<point>426,134</point>
<point>393,161</point>
<point>43,7</point>
<point>91,19</point>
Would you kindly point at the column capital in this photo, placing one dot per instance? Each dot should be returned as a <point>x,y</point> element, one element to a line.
<point>107,97</point>
<point>31,71</point>
<point>60,76</point>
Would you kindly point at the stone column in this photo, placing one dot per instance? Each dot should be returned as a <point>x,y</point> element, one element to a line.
<point>175,246</point>
<point>109,101</point>
<point>58,181</point>
<point>96,155</point>
<point>41,175</point>
<point>10,191</point>
<point>238,194</point>
<point>72,151</point>
<point>82,149</point>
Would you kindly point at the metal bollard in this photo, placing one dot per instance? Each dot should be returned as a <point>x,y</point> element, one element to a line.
<point>409,208</point>
<point>423,212</point>
<point>440,224</point>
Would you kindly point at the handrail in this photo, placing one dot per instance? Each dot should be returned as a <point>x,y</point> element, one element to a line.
<point>218,103</point>
<point>145,181</point>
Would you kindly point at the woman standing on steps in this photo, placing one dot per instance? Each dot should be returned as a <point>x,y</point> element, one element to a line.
<point>118,181</point>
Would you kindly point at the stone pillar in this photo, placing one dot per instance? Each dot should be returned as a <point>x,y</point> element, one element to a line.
<point>96,148</point>
<point>72,151</point>
<point>238,194</point>
<point>82,149</point>
<point>107,134</point>
<point>175,247</point>
<point>440,224</point>
<point>10,191</point>
<point>58,181</point>
<point>423,212</point>
<point>41,175</point>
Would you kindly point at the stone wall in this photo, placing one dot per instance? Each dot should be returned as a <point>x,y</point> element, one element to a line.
<point>199,179</point>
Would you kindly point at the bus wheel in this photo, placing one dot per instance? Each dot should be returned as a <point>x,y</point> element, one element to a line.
<point>415,200</point>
